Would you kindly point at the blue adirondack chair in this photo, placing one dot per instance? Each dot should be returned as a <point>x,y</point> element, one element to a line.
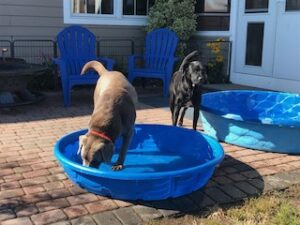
<point>158,59</point>
<point>77,45</point>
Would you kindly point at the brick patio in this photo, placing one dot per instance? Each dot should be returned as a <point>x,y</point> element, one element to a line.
<point>35,190</point>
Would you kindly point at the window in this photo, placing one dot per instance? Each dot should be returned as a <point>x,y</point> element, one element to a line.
<point>254,48</point>
<point>137,7</point>
<point>292,5</point>
<point>93,6</point>
<point>213,15</point>
<point>107,12</point>
<point>256,6</point>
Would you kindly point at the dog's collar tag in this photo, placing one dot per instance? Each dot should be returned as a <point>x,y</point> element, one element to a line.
<point>100,134</point>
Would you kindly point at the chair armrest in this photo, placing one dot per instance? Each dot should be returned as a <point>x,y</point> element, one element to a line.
<point>132,59</point>
<point>108,63</point>
<point>62,67</point>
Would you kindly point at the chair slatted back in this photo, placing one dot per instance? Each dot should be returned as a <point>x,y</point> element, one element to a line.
<point>160,45</point>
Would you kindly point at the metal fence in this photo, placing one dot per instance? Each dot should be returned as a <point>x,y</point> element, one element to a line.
<point>42,51</point>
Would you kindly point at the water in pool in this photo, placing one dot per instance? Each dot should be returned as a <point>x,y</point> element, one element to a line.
<point>147,153</point>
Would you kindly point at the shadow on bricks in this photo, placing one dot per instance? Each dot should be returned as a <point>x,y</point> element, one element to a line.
<point>232,182</point>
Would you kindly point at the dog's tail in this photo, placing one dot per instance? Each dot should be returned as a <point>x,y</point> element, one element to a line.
<point>97,66</point>
<point>187,60</point>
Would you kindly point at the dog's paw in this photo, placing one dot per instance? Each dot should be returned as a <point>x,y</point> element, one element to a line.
<point>117,167</point>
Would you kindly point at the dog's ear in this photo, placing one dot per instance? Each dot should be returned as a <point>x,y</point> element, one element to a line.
<point>82,143</point>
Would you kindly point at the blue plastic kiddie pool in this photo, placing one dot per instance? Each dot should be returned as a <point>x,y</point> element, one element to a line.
<point>162,161</point>
<point>260,120</point>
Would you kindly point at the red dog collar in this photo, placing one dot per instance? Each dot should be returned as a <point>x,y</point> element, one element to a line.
<point>100,134</point>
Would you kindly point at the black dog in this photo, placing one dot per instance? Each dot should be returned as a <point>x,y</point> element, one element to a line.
<point>185,88</point>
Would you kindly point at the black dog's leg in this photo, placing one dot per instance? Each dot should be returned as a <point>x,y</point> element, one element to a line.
<point>175,114</point>
<point>182,116</point>
<point>196,116</point>
<point>196,101</point>
<point>171,104</point>
<point>126,140</point>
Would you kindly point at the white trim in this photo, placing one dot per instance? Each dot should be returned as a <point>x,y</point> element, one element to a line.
<point>271,83</point>
<point>213,33</point>
<point>116,19</point>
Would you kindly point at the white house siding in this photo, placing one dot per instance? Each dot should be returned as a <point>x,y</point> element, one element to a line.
<point>43,19</point>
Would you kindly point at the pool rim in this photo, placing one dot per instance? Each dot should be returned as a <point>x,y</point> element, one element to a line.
<point>221,114</point>
<point>214,144</point>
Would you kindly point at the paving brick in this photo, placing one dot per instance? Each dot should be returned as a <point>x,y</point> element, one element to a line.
<point>184,204</point>
<point>217,195</point>
<point>127,216</point>
<point>10,203</point>
<point>237,177</point>
<point>13,177</point>
<point>53,185</point>
<point>18,221</point>
<point>81,199</point>
<point>233,192</point>
<point>22,169</point>
<point>247,188</point>
<point>62,223</point>
<point>6,214</point>
<point>5,172</point>
<point>43,165</point>
<point>52,204</point>
<point>147,213</point>
<point>48,217</point>
<point>10,185</point>
<point>57,177</point>
<point>33,181</point>
<point>36,173</point>
<point>165,207</point>
<point>26,210</point>
<point>201,199</point>
<point>11,193</point>
<point>222,180</point>
<point>33,189</point>
<point>75,190</point>
<point>106,218</point>
<point>60,193</point>
<point>101,206</point>
<point>36,197</point>
<point>122,204</point>
<point>275,182</point>
<point>75,211</point>
<point>85,220</point>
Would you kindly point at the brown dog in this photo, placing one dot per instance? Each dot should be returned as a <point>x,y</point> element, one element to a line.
<point>114,115</point>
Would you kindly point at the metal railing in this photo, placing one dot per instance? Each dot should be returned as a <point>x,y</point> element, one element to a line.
<point>43,50</point>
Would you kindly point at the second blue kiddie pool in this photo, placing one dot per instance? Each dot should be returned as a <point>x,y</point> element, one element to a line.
<point>162,161</point>
<point>261,120</point>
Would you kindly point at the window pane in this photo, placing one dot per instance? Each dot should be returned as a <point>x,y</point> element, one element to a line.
<point>257,6</point>
<point>141,7</point>
<point>216,6</point>
<point>107,6</point>
<point>128,7</point>
<point>254,48</point>
<point>292,5</point>
<point>212,23</point>
<point>90,7</point>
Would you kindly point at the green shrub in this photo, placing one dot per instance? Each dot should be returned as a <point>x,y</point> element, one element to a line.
<point>177,15</point>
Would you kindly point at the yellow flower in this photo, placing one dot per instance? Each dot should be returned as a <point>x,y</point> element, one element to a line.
<point>216,50</point>
<point>219,58</point>
<point>209,44</point>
